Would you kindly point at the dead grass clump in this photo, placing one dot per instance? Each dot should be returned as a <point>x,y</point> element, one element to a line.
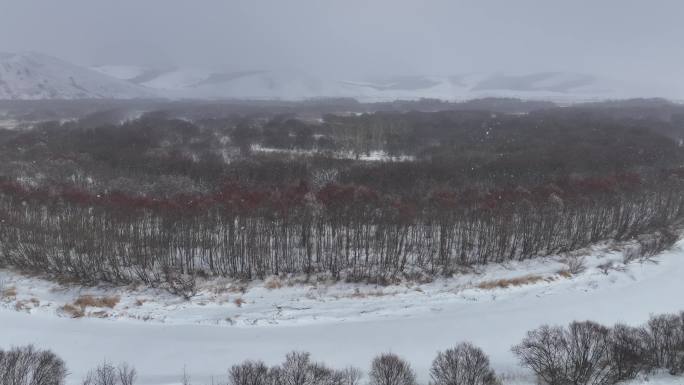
<point>565,273</point>
<point>376,293</point>
<point>26,305</point>
<point>10,292</point>
<point>505,283</point>
<point>576,265</point>
<point>237,288</point>
<point>65,280</point>
<point>72,311</point>
<point>91,301</point>
<point>239,302</point>
<point>358,294</point>
<point>373,293</point>
<point>100,314</point>
<point>231,288</point>
<point>273,283</point>
<point>21,306</point>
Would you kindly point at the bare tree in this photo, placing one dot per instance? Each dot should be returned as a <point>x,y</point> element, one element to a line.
<point>665,341</point>
<point>628,352</point>
<point>351,376</point>
<point>588,353</point>
<point>389,369</point>
<point>108,374</point>
<point>28,366</point>
<point>127,374</point>
<point>249,373</point>
<point>104,374</point>
<point>296,370</point>
<point>542,350</point>
<point>465,364</point>
<point>585,353</point>
<point>185,379</point>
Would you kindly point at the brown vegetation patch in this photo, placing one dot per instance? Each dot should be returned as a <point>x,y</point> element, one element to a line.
<point>565,273</point>
<point>22,306</point>
<point>99,314</point>
<point>359,294</point>
<point>229,288</point>
<point>72,311</point>
<point>10,292</point>
<point>91,301</point>
<point>505,283</point>
<point>273,283</point>
<point>27,304</point>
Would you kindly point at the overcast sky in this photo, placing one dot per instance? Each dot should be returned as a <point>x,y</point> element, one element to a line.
<point>627,38</point>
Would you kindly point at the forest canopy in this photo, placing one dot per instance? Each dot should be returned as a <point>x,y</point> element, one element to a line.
<point>370,196</point>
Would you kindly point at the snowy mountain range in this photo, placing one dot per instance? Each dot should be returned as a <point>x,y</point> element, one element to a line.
<point>34,76</point>
<point>31,76</point>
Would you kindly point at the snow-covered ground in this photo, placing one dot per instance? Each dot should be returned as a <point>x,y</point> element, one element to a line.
<point>340,324</point>
<point>34,76</point>
<point>372,156</point>
<point>8,124</point>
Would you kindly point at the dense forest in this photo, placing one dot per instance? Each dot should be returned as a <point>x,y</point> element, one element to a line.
<point>163,198</point>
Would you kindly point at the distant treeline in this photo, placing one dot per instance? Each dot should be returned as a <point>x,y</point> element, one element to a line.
<point>163,200</point>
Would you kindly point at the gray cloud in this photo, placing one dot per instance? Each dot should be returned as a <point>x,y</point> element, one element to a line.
<point>625,38</point>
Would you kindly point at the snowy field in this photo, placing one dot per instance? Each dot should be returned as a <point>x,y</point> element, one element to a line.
<point>372,156</point>
<point>340,324</point>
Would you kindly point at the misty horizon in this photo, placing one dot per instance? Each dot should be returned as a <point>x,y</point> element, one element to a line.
<point>353,38</point>
<point>622,42</point>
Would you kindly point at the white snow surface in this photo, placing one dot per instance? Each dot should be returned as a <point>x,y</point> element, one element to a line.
<point>298,85</point>
<point>122,72</point>
<point>33,76</point>
<point>339,323</point>
<point>371,156</point>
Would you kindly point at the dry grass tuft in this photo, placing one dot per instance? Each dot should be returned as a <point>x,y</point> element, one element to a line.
<point>576,265</point>
<point>374,293</point>
<point>21,306</point>
<point>72,311</point>
<point>273,283</point>
<point>26,305</point>
<point>565,273</point>
<point>229,288</point>
<point>91,301</point>
<point>505,283</point>
<point>99,314</point>
<point>10,292</point>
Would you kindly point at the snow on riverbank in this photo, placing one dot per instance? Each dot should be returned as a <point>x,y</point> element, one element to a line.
<point>341,324</point>
<point>296,301</point>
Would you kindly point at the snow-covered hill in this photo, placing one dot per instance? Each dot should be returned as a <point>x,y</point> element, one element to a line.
<point>298,85</point>
<point>260,85</point>
<point>32,76</point>
<point>35,76</point>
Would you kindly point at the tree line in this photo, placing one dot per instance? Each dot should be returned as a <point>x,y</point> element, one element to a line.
<point>347,231</point>
<point>163,200</point>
